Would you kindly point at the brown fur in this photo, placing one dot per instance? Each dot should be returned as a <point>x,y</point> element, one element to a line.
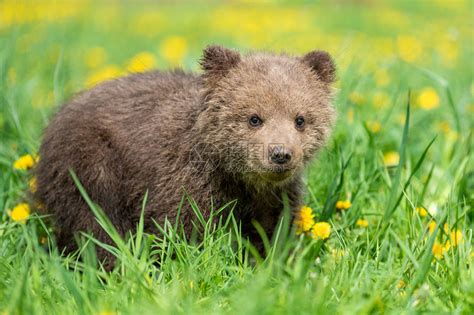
<point>143,132</point>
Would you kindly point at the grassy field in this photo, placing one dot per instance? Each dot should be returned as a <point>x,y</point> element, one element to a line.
<point>395,184</point>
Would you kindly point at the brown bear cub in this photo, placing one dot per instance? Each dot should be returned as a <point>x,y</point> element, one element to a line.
<point>242,130</point>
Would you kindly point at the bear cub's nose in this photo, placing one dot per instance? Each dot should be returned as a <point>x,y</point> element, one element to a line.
<point>280,155</point>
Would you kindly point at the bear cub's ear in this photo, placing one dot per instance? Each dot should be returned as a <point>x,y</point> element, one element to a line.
<point>218,60</point>
<point>322,64</point>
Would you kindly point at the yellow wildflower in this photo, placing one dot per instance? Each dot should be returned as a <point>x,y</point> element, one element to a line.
<point>446,228</point>
<point>321,230</point>
<point>173,49</point>
<point>447,246</point>
<point>343,204</point>
<point>432,227</point>
<point>422,211</point>
<point>304,220</point>
<point>391,158</point>
<point>438,250</point>
<point>32,184</point>
<point>456,237</point>
<point>374,126</point>
<point>25,162</point>
<point>362,223</point>
<point>141,62</point>
<point>350,115</point>
<point>106,73</point>
<point>95,57</point>
<point>428,98</point>
<point>20,213</point>
<point>401,284</point>
<point>356,98</point>
<point>409,48</point>
<point>380,100</point>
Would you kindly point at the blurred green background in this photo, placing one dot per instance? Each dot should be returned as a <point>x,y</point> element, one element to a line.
<point>388,54</point>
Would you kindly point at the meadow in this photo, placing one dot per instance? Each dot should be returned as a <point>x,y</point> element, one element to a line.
<point>387,226</point>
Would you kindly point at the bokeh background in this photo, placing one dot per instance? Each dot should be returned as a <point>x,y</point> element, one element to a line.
<point>388,54</point>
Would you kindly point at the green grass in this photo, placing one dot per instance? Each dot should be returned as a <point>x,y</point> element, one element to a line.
<point>388,53</point>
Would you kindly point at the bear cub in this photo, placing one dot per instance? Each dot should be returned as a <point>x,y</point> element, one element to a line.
<point>242,130</point>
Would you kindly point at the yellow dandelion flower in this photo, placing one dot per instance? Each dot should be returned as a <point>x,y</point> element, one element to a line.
<point>381,77</point>
<point>350,115</point>
<point>32,184</point>
<point>391,158</point>
<point>95,57</point>
<point>456,237</point>
<point>380,100</point>
<point>422,211</point>
<point>173,49</point>
<point>409,48</point>
<point>304,220</point>
<point>362,223</point>
<point>428,98</point>
<point>432,227</point>
<point>446,228</point>
<point>20,213</point>
<point>401,284</point>
<point>343,204</point>
<point>106,73</point>
<point>374,126</point>
<point>25,162</point>
<point>321,230</point>
<point>447,246</point>
<point>438,250</point>
<point>142,62</point>
<point>357,98</point>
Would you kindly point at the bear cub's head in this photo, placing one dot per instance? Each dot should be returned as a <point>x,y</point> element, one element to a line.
<point>264,115</point>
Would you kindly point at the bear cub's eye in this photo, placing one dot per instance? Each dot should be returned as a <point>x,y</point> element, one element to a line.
<point>299,122</point>
<point>255,121</point>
